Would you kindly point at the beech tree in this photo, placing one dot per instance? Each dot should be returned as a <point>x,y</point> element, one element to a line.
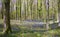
<point>7,17</point>
<point>47,8</point>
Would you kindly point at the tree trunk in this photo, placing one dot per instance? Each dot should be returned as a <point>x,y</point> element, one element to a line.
<point>59,11</point>
<point>47,8</point>
<point>2,9</point>
<point>7,16</point>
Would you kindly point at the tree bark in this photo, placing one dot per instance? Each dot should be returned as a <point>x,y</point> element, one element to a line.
<point>59,11</point>
<point>2,11</point>
<point>7,17</point>
<point>47,9</point>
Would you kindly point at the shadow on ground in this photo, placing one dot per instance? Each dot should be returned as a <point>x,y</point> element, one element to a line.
<point>15,30</point>
<point>7,35</point>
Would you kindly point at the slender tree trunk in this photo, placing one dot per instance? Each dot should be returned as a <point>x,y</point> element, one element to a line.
<point>25,11</point>
<point>59,11</point>
<point>59,6</point>
<point>16,12</point>
<point>31,10</point>
<point>2,10</point>
<point>47,8</point>
<point>20,10</point>
<point>7,16</point>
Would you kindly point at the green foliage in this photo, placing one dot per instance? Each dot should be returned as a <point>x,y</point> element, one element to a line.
<point>38,12</point>
<point>30,10</point>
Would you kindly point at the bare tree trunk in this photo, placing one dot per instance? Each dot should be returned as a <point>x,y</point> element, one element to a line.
<point>7,16</point>
<point>31,10</point>
<point>16,12</point>
<point>47,8</point>
<point>2,10</point>
<point>20,9</point>
<point>59,6</point>
<point>59,11</point>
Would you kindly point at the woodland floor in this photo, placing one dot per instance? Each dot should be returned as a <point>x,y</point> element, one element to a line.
<point>27,31</point>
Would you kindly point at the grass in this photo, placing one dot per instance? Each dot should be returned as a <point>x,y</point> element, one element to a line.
<point>26,31</point>
<point>1,21</point>
<point>55,31</point>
